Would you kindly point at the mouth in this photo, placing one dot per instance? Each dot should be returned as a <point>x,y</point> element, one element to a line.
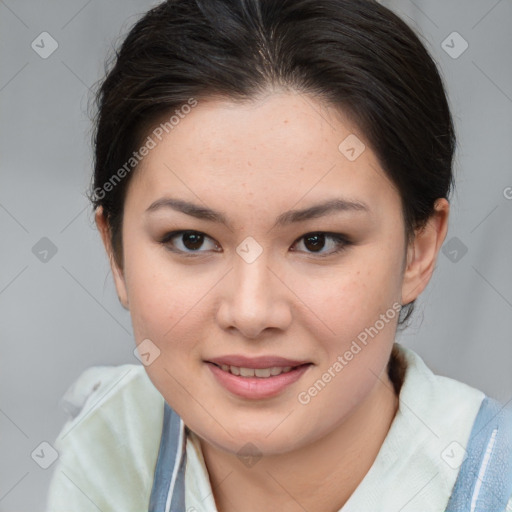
<point>257,379</point>
<point>261,373</point>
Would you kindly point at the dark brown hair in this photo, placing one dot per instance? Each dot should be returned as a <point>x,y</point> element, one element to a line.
<point>354,54</point>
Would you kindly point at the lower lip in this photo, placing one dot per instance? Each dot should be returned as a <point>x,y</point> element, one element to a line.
<point>257,387</point>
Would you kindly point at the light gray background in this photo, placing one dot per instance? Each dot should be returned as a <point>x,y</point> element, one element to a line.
<point>61,316</point>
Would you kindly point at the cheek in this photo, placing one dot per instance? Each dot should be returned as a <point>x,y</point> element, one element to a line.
<point>361,311</point>
<point>166,308</point>
<point>351,296</point>
<point>164,298</point>
<point>358,305</point>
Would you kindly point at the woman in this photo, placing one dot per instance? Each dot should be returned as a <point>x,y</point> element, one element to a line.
<point>271,186</point>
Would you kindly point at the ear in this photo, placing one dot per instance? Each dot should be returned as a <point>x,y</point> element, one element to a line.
<point>119,280</point>
<point>423,250</point>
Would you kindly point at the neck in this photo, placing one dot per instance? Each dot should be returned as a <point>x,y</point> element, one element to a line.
<point>332,467</point>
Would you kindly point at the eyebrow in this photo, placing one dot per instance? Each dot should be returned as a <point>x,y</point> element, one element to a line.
<point>286,218</point>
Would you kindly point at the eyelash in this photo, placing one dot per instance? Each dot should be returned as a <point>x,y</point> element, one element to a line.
<point>342,242</point>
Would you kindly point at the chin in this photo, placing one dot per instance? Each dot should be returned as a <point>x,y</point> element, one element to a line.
<point>263,439</point>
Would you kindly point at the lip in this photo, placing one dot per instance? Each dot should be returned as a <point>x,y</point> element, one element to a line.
<point>258,388</point>
<point>255,362</point>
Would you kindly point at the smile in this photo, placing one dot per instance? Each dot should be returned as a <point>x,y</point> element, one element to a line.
<point>255,372</point>
<point>256,383</point>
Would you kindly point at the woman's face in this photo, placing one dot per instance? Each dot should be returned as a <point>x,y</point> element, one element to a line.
<point>268,189</point>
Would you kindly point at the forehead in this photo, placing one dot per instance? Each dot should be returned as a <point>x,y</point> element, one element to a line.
<point>282,145</point>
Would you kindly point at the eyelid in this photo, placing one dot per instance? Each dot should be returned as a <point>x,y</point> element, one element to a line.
<point>164,240</point>
<point>338,237</point>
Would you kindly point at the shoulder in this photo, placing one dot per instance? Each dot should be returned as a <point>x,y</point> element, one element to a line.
<point>99,385</point>
<point>448,406</point>
<point>488,460</point>
<point>463,432</point>
<point>421,383</point>
<point>109,445</point>
<point>433,426</point>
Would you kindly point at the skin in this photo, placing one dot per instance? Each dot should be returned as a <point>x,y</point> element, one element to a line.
<point>253,161</point>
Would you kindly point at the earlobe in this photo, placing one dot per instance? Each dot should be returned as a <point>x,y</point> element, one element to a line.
<point>117,273</point>
<point>423,251</point>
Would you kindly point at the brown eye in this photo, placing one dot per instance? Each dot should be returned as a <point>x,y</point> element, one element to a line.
<point>314,243</point>
<point>192,241</point>
<point>187,242</point>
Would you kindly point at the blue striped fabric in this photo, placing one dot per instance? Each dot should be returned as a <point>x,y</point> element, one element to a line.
<point>168,491</point>
<point>484,483</point>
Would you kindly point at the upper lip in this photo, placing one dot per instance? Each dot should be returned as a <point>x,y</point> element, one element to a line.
<point>255,362</point>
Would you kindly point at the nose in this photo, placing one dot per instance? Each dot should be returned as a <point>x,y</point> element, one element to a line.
<point>254,298</point>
